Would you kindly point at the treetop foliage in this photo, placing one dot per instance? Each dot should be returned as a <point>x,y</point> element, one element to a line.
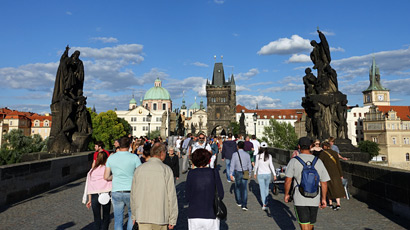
<point>280,135</point>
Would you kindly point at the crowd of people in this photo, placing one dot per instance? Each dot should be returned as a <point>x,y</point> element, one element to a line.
<point>141,175</point>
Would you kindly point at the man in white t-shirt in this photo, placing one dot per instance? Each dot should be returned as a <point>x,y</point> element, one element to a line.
<point>306,208</point>
<point>201,144</point>
<point>256,146</point>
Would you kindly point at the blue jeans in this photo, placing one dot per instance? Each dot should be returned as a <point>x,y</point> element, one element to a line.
<point>228,167</point>
<point>264,180</point>
<point>241,189</point>
<point>119,200</point>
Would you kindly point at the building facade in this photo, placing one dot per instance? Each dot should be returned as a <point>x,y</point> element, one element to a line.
<point>221,102</point>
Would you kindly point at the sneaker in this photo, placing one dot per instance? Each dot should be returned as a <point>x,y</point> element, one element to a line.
<point>245,208</point>
<point>264,208</point>
<point>229,181</point>
<point>239,205</point>
<point>337,207</point>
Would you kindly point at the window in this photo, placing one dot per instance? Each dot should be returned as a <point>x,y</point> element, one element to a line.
<point>164,106</point>
<point>259,123</point>
<point>155,106</point>
<point>36,123</point>
<point>157,128</point>
<point>11,122</point>
<point>190,114</point>
<point>135,128</point>
<point>354,114</point>
<point>406,141</point>
<point>46,123</point>
<point>394,140</point>
<point>360,114</point>
<point>355,123</point>
<point>407,157</point>
<point>374,139</point>
<point>393,127</point>
<point>183,113</point>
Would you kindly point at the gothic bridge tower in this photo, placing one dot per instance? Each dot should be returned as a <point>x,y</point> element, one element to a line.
<point>221,102</point>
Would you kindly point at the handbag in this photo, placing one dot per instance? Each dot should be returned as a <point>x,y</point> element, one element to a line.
<point>104,198</point>
<point>219,207</point>
<point>245,172</point>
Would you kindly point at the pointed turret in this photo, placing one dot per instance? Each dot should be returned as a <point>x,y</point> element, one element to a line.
<point>374,77</point>
<point>218,78</point>
<point>201,104</point>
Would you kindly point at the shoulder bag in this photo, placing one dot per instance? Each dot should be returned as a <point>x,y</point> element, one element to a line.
<point>219,207</point>
<point>245,172</point>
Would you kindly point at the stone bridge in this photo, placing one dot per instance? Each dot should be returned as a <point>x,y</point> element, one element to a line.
<point>61,207</point>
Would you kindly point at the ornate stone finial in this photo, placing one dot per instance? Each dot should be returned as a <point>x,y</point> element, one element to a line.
<point>215,58</point>
<point>222,57</point>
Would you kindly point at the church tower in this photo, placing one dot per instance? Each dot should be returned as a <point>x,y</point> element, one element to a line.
<point>221,102</point>
<point>375,94</point>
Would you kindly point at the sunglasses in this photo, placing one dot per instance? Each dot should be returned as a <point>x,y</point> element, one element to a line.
<point>202,138</point>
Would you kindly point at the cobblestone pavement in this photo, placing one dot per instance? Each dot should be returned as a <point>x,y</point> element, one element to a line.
<point>61,208</point>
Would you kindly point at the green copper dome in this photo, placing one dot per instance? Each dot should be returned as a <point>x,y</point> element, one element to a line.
<point>157,92</point>
<point>133,101</point>
<point>194,106</point>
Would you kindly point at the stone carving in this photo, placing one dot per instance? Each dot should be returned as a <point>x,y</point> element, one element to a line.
<point>71,127</point>
<point>180,126</point>
<point>325,105</point>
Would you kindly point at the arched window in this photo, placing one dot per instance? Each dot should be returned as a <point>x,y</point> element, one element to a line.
<point>164,106</point>
<point>155,106</point>
<point>407,157</point>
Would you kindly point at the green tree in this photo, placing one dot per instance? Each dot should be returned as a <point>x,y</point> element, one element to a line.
<point>280,135</point>
<point>234,127</point>
<point>16,144</point>
<point>369,147</point>
<point>107,127</point>
<point>154,134</point>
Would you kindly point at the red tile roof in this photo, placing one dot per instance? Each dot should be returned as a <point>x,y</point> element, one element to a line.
<point>403,112</point>
<point>273,112</point>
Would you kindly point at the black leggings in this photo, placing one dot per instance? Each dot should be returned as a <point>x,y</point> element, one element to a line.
<point>96,206</point>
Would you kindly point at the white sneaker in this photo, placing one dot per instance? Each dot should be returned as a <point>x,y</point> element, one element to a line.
<point>264,208</point>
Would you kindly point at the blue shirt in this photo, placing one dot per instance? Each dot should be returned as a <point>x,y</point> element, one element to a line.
<point>236,164</point>
<point>122,165</point>
<point>335,148</point>
<point>186,143</point>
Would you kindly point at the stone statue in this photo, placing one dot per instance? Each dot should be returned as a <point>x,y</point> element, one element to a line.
<point>71,127</point>
<point>180,126</point>
<point>242,128</point>
<point>193,129</point>
<point>324,104</point>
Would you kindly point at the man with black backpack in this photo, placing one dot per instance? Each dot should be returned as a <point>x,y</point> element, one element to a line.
<point>308,172</point>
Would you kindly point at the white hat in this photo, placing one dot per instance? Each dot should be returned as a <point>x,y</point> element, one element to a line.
<point>104,198</point>
<point>264,145</point>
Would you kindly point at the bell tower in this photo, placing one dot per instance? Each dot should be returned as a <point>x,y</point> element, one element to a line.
<point>375,94</point>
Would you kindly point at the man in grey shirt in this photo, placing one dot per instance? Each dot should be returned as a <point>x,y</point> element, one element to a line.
<point>240,162</point>
<point>306,208</point>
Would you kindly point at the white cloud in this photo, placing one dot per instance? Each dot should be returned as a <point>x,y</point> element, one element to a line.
<point>235,35</point>
<point>400,86</point>
<point>264,102</point>
<point>219,1</point>
<point>68,13</point>
<point>246,76</point>
<point>299,58</point>
<point>287,87</point>
<point>289,79</point>
<point>294,105</point>
<point>240,88</point>
<point>197,84</point>
<point>295,44</point>
<point>105,39</point>
<point>338,49</point>
<point>200,64</point>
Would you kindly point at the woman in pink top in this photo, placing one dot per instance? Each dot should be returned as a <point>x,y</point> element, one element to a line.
<point>95,185</point>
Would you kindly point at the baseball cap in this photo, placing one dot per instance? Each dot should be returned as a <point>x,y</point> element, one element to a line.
<point>304,142</point>
<point>264,145</point>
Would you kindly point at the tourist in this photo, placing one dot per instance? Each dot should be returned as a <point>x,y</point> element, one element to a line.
<point>153,196</point>
<point>178,146</point>
<point>116,146</point>
<point>335,148</point>
<point>241,162</point>
<point>263,169</point>
<point>215,150</point>
<point>122,166</point>
<point>315,149</point>
<point>200,192</point>
<point>173,162</point>
<point>94,185</point>
<point>305,208</point>
<point>335,187</point>
<point>228,148</point>
<point>256,146</point>
<point>248,147</point>
<point>146,154</point>
<point>99,147</point>
<point>185,148</point>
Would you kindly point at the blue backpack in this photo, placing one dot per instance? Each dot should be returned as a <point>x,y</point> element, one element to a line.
<point>309,184</point>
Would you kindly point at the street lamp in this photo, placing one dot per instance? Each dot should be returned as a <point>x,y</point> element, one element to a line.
<point>255,117</point>
<point>149,116</point>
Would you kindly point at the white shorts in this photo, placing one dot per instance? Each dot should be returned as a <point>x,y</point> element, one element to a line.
<point>203,224</point>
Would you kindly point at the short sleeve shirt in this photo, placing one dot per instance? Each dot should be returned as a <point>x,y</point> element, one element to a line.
<point>294,169</point>
<point>96,154</point>
<point>122,165</point>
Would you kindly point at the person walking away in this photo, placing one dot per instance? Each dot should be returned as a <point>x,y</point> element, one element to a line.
<point>178,146</point>
<point>263,169</point>
<point>228,148</point>
<point>249,148</point>
<point>256,146</point>
<point>200,193</point>
<point>241,162</point>
<point>99,147</point>
<point>173,162</point>
<point>335,187</point>
<point>185,148</point>
<point>306,208</point>
<point>96,184</point>
<point>154,201</point>
<point>122,165</point>
<point>215,150</point>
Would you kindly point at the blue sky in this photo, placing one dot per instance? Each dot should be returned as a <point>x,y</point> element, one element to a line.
<point>126,45</point>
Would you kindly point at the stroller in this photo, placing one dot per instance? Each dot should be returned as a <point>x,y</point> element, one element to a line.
<point>280,179</point>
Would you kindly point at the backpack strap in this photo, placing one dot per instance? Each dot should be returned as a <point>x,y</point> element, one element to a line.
<point>300,160</point>
<point>314,161</point>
